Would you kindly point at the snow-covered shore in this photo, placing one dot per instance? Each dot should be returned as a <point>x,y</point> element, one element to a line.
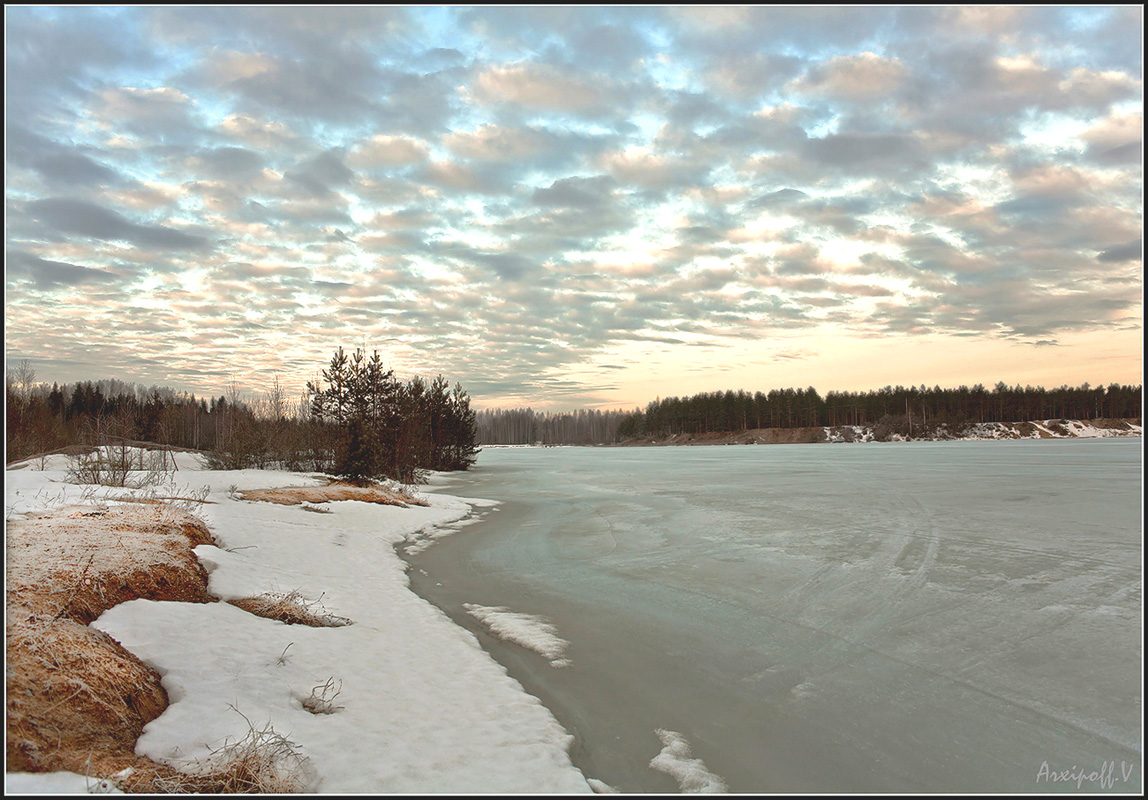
<point>865,434</point>
<point>421,708</point>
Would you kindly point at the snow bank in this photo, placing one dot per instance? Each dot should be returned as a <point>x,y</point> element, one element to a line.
<point>533,632</point>
<point>988,431</point>
<point>423,707</point>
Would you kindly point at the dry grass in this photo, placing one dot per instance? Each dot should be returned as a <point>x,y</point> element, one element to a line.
<point>292,608</point>
<point>76,700</point>
<point>392,495</point>
<point>322,698</point>
<point>262,762</point>
<point>84,560</point>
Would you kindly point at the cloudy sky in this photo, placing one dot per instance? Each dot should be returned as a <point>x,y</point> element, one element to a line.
<point>566,207</point>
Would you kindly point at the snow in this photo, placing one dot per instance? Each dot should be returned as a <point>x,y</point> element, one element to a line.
<point>531,631</point>
<point>423,707</point>
<point>690,773</point>
<point>58,462</point>
<point>986,431</point>
<point>55,783</point>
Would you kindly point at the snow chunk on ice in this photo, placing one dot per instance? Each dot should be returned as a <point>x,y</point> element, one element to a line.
<point>533,632</point>
<point>690,773</point>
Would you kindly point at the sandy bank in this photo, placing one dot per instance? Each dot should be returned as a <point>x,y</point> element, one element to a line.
<point>1036,429</point>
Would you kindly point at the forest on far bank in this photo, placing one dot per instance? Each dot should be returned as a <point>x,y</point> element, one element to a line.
<point>916,408</point>
<point>358,421</point>
<point>364,420</point>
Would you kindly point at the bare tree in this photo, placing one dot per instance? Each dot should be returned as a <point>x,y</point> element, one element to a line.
<point>23,376</point>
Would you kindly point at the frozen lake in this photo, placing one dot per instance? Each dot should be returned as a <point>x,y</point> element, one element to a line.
<point>939,617</point>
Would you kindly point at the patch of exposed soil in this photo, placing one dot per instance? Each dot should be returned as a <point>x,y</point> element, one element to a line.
<point>1115,424</point>
<point>753,436</point>
<point>813,435</point>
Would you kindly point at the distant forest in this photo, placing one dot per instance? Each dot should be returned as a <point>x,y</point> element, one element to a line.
<point>359,421</point>
<point>526,426</point>
<point>730,412</point>
<point>927,408</point>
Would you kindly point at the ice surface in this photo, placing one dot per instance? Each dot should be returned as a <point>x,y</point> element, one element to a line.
<point>933,616</point>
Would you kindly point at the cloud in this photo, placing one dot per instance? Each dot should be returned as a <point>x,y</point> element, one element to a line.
<point>507,194</point>
<point>751,75</point>
<point>320,175</point>
<point>497,143</point>
<point>536,86</point>
<point>1129,251</point>
<point>226,162</point>
<point>46,274</point>
<point>257,132</point>
<point>82,218</point>
<point>865,76</point>
<point>388,151</point>
<point>165,112</point>
<point>57,163</point>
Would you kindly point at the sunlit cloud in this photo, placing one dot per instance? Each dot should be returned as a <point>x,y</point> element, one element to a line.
<point>576,204</point>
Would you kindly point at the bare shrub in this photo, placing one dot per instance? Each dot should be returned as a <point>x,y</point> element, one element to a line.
<point>112,461</point>
<point>291,608</point>
<point>189,501</point>
<point>406,491</point>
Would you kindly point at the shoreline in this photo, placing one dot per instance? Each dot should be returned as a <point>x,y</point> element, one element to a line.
<point>562,691</point>
<point>876,434</point>
<point>420,707</point>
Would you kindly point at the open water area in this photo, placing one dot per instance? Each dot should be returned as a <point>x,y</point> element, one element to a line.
<point>904,617</point>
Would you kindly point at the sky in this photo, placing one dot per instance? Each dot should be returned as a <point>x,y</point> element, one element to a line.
<point>576,206</point>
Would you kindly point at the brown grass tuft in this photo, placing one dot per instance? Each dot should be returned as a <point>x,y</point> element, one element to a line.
<point>291,608</point>
<point>322,698</point>
<point>262,762</point>
<point>295,495</point>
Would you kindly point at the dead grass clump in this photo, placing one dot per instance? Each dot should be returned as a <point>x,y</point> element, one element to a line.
<point>292,608</point>
<point>262,762</point>
<point>77,700</point>
<point>322,698</point>
<point>294,495</point>
<point>74,695</point>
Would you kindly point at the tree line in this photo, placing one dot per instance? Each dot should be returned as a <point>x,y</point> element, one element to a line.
<point>526,426</point>
<point>730,411</point>
<point>409,427</point>
<point>382,427</point>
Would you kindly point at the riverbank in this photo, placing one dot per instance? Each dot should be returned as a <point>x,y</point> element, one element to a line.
<point>900,431</point>
<point>388,695</point>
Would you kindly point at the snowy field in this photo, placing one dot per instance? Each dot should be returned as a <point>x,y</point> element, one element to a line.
<point>417,706</point>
